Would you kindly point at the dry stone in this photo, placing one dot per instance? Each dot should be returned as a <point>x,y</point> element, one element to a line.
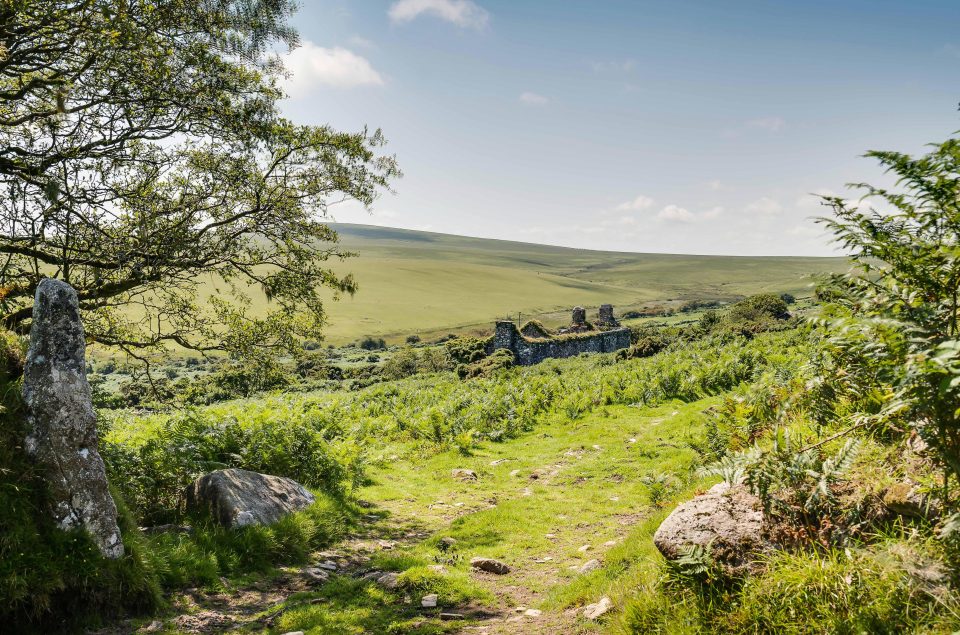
<point>237,498</point>
<point>728,520</point>
<point>62,425</point>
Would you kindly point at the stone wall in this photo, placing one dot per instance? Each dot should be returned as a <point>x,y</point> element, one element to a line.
<point>529,352</point>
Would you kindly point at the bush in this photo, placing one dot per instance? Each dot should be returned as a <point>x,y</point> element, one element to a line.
<point>467,350</point>
<point>152,475</point>
<point>413,339</point>
<point>487,366</point>
<point>407,362</point>
<point>756,314</point>
<point>237,379</point>
<point>372,344</point>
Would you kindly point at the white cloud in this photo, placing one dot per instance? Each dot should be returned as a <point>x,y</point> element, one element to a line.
<point>713,212</point>
<point>362,42</point>
<point>533,99</point>
<point>311,66</point>
<point>463,13</point>
<point>675,213</point>
<point>765,207</point>
<point>640,202</point>
<point>770,124</point>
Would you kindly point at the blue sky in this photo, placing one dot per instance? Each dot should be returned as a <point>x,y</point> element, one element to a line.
<point>673,126</point>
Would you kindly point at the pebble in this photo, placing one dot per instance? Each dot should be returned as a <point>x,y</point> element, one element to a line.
<point>584,548</point>
<point>429,601</point>
<point>329,565</point>
<point>610,543</point>
<point>533,612</point>
<point>514,472</point>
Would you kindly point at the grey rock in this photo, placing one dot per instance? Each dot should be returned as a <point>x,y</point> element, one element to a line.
<point>728,520</point>
<point>590,565</point>
<point>62,433</point>
<point>329,565</point>
<point>490,565</point>
<point>315,574</point>
<point>237,498</point>
<point>594,611</point>
<point>429,601</point>
<point>451,616</point>
<point>389,580</point>
<point>465,475</point>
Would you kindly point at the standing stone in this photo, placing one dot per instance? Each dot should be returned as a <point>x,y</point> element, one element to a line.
<point>579,316</point>
<point>63,427</point>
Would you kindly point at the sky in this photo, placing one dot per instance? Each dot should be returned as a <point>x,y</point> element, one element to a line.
<point>678,126</point>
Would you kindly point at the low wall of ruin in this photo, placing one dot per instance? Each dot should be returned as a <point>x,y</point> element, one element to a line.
<point>533,351</point>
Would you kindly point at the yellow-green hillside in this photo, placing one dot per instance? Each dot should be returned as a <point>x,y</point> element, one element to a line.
<point>413,281</point>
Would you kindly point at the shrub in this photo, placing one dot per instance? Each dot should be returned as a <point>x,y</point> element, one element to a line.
<point>237,379</point>
<point>372,344</point>
<point>413,339</point>
<point>756,314</point>
<point>153,474</point>
<point>467,350</point>
<point>488,365</point>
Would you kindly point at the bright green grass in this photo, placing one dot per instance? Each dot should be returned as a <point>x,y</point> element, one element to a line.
<point>581,496</point>
<point>427,283</point>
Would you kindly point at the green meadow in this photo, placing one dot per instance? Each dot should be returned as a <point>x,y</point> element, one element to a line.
<point>428,283</point>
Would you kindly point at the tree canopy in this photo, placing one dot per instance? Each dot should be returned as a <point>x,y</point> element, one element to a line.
<point>145,162</point>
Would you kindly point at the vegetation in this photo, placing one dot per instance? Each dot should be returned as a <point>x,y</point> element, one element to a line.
<point>145,163</point>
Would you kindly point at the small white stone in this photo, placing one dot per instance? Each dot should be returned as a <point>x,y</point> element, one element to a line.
<point>429,601</point>
<point>533,612</point>
<point>584,548</point>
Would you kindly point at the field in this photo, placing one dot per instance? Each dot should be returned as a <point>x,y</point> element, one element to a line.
<point>427,283</point>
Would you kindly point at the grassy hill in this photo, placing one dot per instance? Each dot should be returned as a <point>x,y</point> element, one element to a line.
<point>429,283</point>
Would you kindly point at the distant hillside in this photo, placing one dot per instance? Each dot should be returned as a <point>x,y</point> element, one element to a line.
<point>428,283</point>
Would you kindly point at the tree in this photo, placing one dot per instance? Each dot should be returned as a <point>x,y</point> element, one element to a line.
<point>894,316</point>
<point>146,163</point>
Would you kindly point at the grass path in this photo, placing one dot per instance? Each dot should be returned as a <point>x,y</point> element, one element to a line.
<point>545,504</point>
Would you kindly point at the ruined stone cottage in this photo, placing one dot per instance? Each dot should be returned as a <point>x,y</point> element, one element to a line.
<point>605,336</point>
